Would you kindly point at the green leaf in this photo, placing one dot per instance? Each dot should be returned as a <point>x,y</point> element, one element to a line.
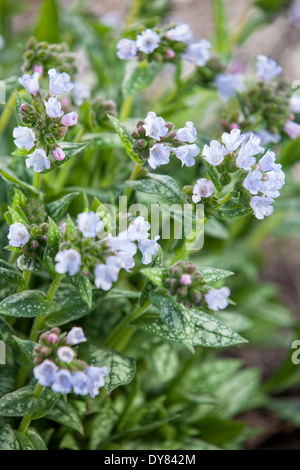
<point>6,332</point>
<point>11,274</point>
<point>212,333</point>
<point>84,287</point>
<point>121,368</point>
<point>8,439</point>
<point>155,275</point>
<point>18,403</point>
<point>213,174</point>
<point>70,149</point>
<point>234,320</point>
<point>48,26</point>
<point>52,247</point>
<point>19,199</point>
<point>149,285</point>
<point>288,409</point>
<point>214,228</point>
<point>71,307</point>
<point>36,440</point>
<point>219,431</point>
<point>162,185</point>
<point>212,275</point>
<point>70,228</point>
<point>178,319</point>
<point>26,304</point>
<point>46,401</point>
<point>24,441</point>
<point>229,212</point>
<point>125,138</point>
<point>29,264</point>
<point>65,414</point>
<point>10,178</point>
<point>220,26</point>
<point>102,425</point>
<point>57,209</point>
<point>165,362</point>
<point>138,76</point>
<point>17,215</point>
<point>26,347</point>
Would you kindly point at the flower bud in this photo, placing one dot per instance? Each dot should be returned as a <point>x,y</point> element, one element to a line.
<point>69,119</point>
<point>45,351</point>
<point>182,291</point>
<point>225,179</point>
<point>53,338</point>
<point>58,154</point>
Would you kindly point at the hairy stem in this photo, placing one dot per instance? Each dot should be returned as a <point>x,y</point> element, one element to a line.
<point>27,419</point>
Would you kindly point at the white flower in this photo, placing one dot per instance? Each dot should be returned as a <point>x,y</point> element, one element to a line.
<point>81,92</point>
<point>261,206</point>
<point>274,180</point>
<point>89,223</point>
<point>53,108</point>
<point>267,162</point>
<point>295,104</point>
<point>127,49</point>
<point>68,261</point>
<point>31,83</point>
<point>155,126</point>
<point>159,155</point>
<point>181,33</point>
<point>292,129</point>
<point>186,154</point>
<point>266,68</point>
<point>217,298</point>
<point>149,248</point>
<point>62,382</point>
<point>45,373</point>
<point>76,336</point>
<point>245,158</point>
<point>59,82</point>
<point>106,274</point>
<point>198,52</point>
<point>228,84</point>
<point>148,41</point>
<point>214,153</point>
<point>18,235</point>
<point>233,140</point>
<point>203,188</point>
<point>187,133</point>
<point>24,137</point>
<point>253,181</point>
<point>138,229</point>
<point>65,354</point>
<point>38,160</point>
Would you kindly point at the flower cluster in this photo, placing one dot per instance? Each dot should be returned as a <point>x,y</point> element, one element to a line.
<point>187,284</point>
<point>45,120</point>
<point>264,178</point>
<point>165,45</point>
<point>57,366</point>
<point>32,240</point>
<point>156,140</point>
<point>40,56</point>
<point>83,251</point>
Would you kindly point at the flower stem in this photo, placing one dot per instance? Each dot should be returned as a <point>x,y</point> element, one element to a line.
<point>39,321</point>
<point>5,116</point>
<point>36,180</point>
<point>133,176</point>
<point>121,330</point>
<point>27,419</point>
<point>225,199</point>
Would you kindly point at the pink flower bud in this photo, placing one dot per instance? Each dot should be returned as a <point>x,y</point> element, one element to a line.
<point>53,338</point>
<point>69,119</point>
<point>292,129</point>
<point>58,154</point>
<point>63,228</point>
<point>170,54</point>
<point>39,69</point>
<point>234,126</point>
<point>186,280</point>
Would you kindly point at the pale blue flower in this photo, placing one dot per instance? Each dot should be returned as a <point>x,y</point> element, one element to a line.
<point>31,82</point>
<point>187,133</point>
<point>65,354</point>
<point>24,137</point>
<point>159,155</point>
<point>217,298</point>
<point>253,182</point>
<point>180,33</point>
<point>267,69</point>
<point>198,52</point>
<point>148,41</point>
<point>261,206</point>
<point>233,140</point>
<point>149,248</point>
<point>81,383</point>
<point>53,107</point>
<point>60,83</point>
<point>186,154</point>
<point>38,160</point>
<point>155,126</point>
<point>68,261</point>
<point>228,84</point>
<point>203,188</point>
<point>18,235</point>
<point>62,382</point>
<point>214,153</point>
<point>76,336</point>
<point>127,49</point>
<point>46,373</point>
<point>89,223</point>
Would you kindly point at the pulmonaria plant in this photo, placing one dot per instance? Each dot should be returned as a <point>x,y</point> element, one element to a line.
<point>156,140</point>
<point>45,123</point>
<point>165,45</point>
<point>58,367</point>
